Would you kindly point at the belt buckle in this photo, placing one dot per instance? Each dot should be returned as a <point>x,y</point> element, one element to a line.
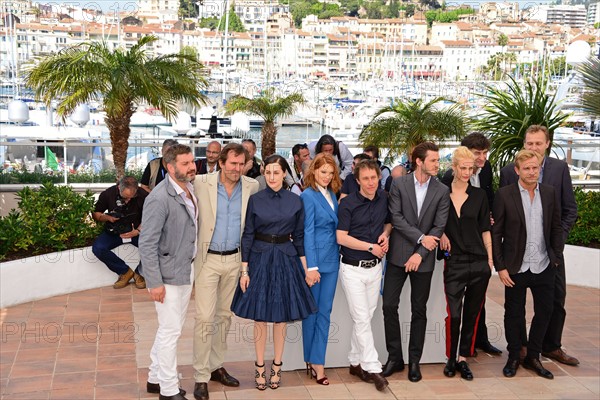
<point>367,263</point>
<point>273,238</point>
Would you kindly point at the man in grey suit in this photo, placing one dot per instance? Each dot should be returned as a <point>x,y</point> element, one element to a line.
<point>418,204</point>
<point>555,173</point>
<point>167,248</point>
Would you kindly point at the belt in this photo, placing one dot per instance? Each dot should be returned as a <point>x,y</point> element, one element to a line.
<point>361,263</point>
<point>224,253</point>
<point>275,239</point>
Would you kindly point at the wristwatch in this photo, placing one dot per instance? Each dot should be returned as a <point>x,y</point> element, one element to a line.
<point>370,248</point>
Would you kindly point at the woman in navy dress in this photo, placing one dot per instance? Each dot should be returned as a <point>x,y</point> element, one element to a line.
<point>322,181</point>
<point>272,286</point>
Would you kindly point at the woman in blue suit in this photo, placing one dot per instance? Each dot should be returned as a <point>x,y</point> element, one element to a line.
<point>321,182</point>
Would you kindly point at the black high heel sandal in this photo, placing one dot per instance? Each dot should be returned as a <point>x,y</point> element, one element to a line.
<point>275,385</point>
<point>260,386</point>
<point>313,375</point>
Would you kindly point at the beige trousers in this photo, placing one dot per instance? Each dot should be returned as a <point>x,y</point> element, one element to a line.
<point>215,284</point>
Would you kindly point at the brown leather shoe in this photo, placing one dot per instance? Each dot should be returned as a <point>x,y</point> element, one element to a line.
<point>357,370</point>
<point>139,281</point>
<point>379,380</point>
<point>562,357</point>
<point>123,279</point>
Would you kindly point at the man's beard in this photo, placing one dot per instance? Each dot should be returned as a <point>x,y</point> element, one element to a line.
<point>183,177</point>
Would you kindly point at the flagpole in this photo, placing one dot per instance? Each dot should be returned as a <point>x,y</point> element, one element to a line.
<point>65,167</point>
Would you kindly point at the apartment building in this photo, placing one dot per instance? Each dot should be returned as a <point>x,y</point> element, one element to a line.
<point>574,16</point>
<point>458,59</point>
<point>593,14</point>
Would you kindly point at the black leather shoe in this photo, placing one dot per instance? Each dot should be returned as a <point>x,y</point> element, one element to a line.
<point>414,372</point>
<point>155,388</point>
<point>490,349</point>
<point>392,366</point>
<point>535,365</point>
<point>221,375</point>
<point>510,369</point>
<point>379,380</point>
<point>201,391</point>
<point>177,396</point>
<point>357,370</point>
<point>465,371</point>
<point>450,368</point>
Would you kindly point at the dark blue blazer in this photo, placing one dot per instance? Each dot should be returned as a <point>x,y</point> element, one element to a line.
<point>320,223</point>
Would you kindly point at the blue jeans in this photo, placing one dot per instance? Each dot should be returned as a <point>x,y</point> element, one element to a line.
<point>102,248</point>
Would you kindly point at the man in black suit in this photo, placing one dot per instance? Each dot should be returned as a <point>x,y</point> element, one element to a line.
<point>418,205</point>
<point>527,244</point>
<point>482,178</point>
<point>555,173</point>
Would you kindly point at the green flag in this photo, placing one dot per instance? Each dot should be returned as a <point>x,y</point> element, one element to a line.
<point>51,161</point>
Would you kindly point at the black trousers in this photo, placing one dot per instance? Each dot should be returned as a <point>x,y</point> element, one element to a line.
<point>542,290</point>
<point>553,338</point>
<point>465,284</point>
<point>481,333</point>
<point>420,283</point>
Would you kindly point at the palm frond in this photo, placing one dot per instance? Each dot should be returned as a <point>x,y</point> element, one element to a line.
<point>405,124</point>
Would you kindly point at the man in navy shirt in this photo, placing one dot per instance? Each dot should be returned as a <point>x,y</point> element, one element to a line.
<point>363,232</point>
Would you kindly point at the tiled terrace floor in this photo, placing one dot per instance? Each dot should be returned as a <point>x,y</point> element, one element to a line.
<point>95,345</point>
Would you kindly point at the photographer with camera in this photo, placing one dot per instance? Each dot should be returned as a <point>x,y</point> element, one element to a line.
<point>124,203</point>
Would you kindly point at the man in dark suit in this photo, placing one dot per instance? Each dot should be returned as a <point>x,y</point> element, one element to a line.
<point>418,205</point>
<point>479,145</point>
<point>211,162</point>
<point>527,244</point>
<point>555,173</point>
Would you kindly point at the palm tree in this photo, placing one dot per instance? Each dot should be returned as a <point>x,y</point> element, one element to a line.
<point>120,79</point>
<point>511,110</point>
<point>270,107</point>
<point>403,125</point>
<point>590,72</point>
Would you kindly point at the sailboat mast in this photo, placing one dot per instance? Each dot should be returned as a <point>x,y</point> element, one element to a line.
<point>226,44</point>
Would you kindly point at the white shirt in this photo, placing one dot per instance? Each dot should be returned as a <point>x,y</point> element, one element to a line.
<point>326,194</point>
<point>536,257</point>
<point>474,179</point>
<point>190,205</point>
<point>420,192</point>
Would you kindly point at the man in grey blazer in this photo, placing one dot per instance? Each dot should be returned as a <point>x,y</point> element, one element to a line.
<point>418,205</point>
<point>167,248</point>
<point>555,173</point>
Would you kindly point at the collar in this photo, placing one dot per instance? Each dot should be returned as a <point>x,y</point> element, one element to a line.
<point>419,184</point>
<point>178,188</point>
<point>271,193</point>
<point>364,199</point>
<point>522,189</point>
<point>322,189</point>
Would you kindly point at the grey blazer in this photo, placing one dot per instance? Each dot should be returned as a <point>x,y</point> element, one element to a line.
<point>168,238</point>
<point>408,228</point>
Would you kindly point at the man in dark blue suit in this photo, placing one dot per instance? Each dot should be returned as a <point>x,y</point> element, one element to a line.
<point>554,172</point>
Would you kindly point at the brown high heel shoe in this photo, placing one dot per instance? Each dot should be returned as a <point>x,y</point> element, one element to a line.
<point>313,374</point>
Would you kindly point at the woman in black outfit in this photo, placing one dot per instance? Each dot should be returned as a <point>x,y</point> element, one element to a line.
<point>467,247</point>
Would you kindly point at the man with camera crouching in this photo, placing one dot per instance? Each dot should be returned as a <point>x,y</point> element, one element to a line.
<point>120,208</point>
